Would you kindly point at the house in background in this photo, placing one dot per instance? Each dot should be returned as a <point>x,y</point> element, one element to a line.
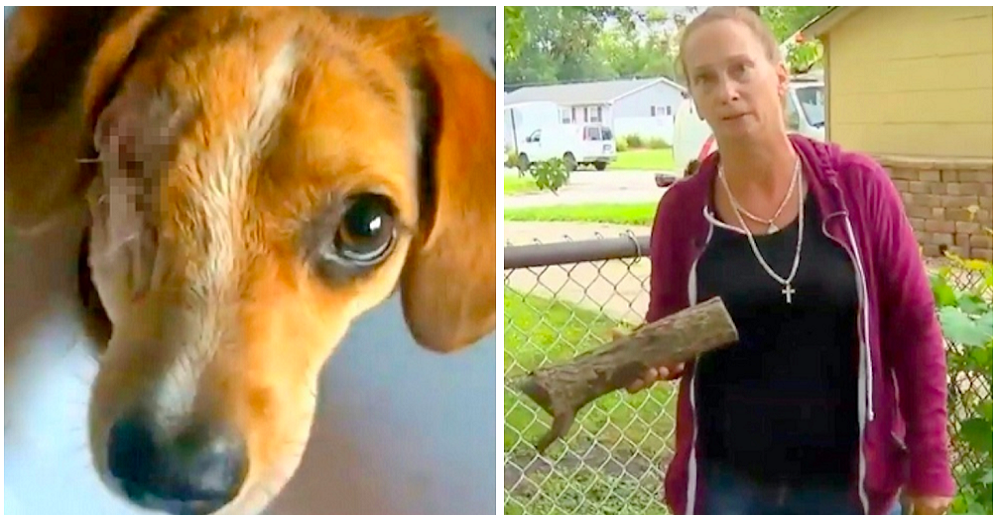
<point>643,107</point>
<point>913,87</point>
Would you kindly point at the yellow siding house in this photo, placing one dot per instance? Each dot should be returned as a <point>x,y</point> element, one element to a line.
<point>913,87</point>
<point>909,80</point>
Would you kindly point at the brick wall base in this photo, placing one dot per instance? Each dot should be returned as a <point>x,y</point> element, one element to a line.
<point>949,202</point>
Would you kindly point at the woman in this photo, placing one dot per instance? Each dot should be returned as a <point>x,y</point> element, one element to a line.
<point>840,359</point>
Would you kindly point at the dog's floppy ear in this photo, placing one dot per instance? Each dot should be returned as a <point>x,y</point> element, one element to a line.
<point>449,283</point>
<point>61,63</point>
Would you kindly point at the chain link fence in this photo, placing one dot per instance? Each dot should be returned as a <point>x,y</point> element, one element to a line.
<point>970,398</point>
<point>564,298</point>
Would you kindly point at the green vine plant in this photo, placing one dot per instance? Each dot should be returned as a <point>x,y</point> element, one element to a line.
<point>803,55</point>
<point>965,311</point>
<point>549,175</point>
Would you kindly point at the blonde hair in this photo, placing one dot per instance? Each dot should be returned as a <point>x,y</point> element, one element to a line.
<point>737,14</point>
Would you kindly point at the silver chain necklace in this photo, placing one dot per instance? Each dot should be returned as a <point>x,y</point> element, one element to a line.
<point>771,227</point>
<point>787,289</point>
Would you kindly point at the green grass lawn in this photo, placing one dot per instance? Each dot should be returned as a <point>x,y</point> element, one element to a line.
<point>539,331</point>
<point>517,185</point>
<point>658,159</point>
<point>587,492</point>
<point>626,214</point>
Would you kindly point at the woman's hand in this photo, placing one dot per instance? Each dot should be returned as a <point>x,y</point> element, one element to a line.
<point>664,373</point>
<point>653,375</point>
<point>929,505</point>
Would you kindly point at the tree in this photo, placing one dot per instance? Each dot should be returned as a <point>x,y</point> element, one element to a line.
<point>560,43</point>
<point>513,32</point>
<point>785,23</point>
<point>632,57</point>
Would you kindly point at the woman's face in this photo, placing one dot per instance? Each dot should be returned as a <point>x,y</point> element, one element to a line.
<point>736,88</point>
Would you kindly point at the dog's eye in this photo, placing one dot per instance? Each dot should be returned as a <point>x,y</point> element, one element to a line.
<point>366,232</point>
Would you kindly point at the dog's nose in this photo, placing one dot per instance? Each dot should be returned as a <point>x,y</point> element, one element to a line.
<point>195,472</point>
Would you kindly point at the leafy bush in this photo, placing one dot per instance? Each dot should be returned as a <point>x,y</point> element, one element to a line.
<point>634,141</point>
<point>965,311</point>
<point>657,143</point>
<point>510,158</point>
<point>549,175</point>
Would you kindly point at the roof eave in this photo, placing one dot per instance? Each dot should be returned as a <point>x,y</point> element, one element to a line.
<point>652,82</point>
<point>826,21</point>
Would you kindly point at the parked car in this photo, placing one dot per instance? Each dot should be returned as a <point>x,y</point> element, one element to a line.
<point>805,112</point>
<point>536,133</point>
<point>520,119</point>
<point>576,144</point>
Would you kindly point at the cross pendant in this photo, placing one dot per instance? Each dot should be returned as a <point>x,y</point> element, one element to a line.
<point>788,292</point>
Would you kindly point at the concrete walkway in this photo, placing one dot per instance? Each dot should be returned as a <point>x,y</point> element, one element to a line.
<point>623,186</point>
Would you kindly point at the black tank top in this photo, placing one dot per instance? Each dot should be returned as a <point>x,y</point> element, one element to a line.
<point>782,403</point>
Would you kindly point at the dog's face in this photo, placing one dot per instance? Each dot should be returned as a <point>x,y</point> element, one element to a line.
<point>258,178</point>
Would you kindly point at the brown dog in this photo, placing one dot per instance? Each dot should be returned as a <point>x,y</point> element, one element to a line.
<point>257,178</point>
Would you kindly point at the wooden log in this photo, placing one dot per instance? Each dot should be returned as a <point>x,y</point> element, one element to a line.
<point>563,389</point>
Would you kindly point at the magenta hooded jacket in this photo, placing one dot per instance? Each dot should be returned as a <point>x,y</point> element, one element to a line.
<point>902,379</point>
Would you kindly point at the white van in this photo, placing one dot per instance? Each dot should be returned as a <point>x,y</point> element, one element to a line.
<point>520,119</point>
<point>576,144</point>
<point>806,113</point>
<point>536,133</point>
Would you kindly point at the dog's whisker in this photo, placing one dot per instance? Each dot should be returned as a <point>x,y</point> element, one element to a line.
<point>117,245</point>
<point>85,381</point>
<point>73,453</point>
<point>297,443</point>
<point>272,487</point>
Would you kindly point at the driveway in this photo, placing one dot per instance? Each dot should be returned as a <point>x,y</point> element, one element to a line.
<point>586,187</point>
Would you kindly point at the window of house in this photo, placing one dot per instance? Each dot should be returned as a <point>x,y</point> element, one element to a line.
<point>566,115</point>
<point>592,114</point>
